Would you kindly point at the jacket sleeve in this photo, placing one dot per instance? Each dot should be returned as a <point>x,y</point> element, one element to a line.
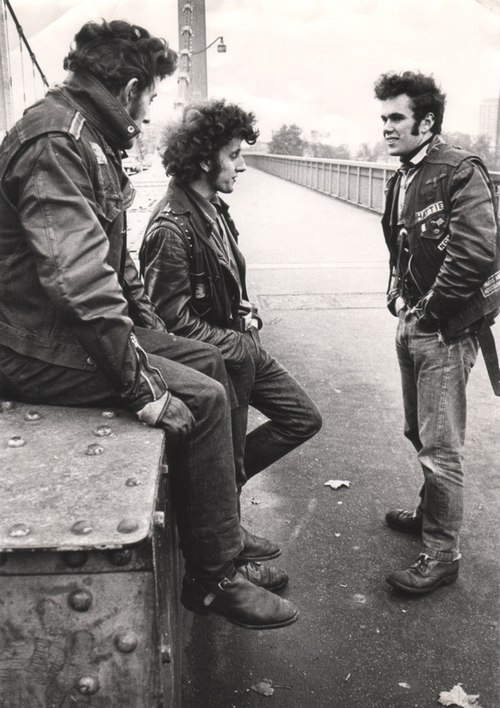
<point>57,208</point>
<point>470,253</point>
<point>166,267</point>
<point>141,309</point>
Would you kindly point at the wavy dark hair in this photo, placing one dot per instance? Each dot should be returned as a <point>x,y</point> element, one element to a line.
<point>115,52</point>
<point>426,96</point>
<point>204,129</point>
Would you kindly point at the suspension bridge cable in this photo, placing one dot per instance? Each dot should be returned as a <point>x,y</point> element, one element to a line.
<point>26,43</point>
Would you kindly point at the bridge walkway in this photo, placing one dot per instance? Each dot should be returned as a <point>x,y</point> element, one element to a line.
<point>318,269</point>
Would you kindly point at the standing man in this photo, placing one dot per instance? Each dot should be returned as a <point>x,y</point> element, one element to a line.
<point>76,327</point>
<point>194,272</point>
<point>441,230</point>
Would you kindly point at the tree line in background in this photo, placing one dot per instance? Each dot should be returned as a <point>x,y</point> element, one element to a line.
<point>289,140</point>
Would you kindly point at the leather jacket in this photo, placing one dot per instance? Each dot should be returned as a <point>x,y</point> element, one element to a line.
<point>445,251</point>
<point>195,294</point>
<point>69,291</point>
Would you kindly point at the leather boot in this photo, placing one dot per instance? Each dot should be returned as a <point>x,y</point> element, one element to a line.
<point>257,548</point>
<point>265,576</point>
<point>425,575</point>
<point>238,600</point>
<point>405,521</point>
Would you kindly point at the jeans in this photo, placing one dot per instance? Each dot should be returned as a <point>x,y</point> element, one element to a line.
<point>265,384</point>
<point>202,468</point>
<point>434,377</point>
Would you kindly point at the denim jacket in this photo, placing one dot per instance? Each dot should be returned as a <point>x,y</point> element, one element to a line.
<point>69,292</point>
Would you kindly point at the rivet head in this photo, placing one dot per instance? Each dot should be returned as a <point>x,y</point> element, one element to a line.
<point>126,641</point>
<point>121,556</point>
<point>80,600</point>
<point>7,405</point>
<point>75,559</point>
<point>16,441</point>
<point>159,518</point>
<point>19,531</point>
<point>81,528</point>
<point>128,526</point>
<point>133,482</point>
<point>87,685</point>
<point>108,414</point>
<point>130,128</point>
<point>33,416</point>
<point>102,431</point>
<point>94,449</point>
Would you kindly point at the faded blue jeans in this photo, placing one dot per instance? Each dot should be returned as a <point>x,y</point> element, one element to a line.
<point>434,377</point>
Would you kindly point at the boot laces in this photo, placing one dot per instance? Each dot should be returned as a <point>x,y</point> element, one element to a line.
<point>422,562</point>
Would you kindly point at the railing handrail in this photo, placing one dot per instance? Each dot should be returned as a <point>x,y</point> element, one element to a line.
<point>358,182</point>
<point>495,175</point>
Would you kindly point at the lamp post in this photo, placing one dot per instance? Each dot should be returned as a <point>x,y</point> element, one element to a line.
<point>192,75</point>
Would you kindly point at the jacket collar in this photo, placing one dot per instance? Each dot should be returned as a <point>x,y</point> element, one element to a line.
<point>102,110</point>
<point>180,199</point>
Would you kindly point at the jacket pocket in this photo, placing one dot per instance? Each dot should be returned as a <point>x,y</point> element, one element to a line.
<point>109,198</point>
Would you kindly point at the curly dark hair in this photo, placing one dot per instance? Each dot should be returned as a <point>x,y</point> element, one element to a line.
<point>426,96</point>
<point>204,129</point>
<point>115,52</point>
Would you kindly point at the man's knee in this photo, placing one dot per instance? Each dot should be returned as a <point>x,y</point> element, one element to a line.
<point>313,422</point>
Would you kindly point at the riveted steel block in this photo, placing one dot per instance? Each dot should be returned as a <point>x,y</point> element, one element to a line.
<point>90,611</point>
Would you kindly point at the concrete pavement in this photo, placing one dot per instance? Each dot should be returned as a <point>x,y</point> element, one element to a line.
<point>318,269</point>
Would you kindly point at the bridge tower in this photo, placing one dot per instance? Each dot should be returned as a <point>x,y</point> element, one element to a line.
<point>192,77</point>
<point>6,112</point>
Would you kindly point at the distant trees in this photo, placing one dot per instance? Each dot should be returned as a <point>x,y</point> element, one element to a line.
<point>287,140</point>
<point>479,145</point>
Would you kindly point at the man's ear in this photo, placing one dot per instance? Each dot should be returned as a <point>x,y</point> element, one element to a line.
<point>426,123</point>
<point>206,166</point>
<point>128,93</point>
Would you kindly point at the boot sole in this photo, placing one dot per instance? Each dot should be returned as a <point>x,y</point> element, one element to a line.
<point>448,580</point>
<point>271,556</point>
<point>194,607</point>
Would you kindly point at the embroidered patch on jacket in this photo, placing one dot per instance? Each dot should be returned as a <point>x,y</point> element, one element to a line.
<point>76,126</point>
<point>200,291</point>
<point>431,209</point>
<point>101,157</point>
<point>492,285</point>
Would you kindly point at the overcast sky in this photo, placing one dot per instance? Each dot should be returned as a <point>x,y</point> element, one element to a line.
<point>311,62</point>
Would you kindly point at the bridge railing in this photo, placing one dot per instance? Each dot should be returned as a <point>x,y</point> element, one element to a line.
<point>359,183</point>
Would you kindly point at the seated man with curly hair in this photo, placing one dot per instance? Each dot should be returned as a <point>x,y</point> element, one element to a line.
<point>194,273</point>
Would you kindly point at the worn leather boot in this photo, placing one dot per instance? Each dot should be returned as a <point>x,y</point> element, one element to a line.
<point>238,600</point>
<point>265,576</point>
<point>257,548</point>
<point>405,521</point>
<point>425,575</point>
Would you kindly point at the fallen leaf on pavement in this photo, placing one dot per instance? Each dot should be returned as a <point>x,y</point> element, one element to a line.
<point>336,483</point>
<point>264,687</point>
<point>458,697</point>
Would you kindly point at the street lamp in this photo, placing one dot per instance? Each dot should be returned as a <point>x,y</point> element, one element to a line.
<point>221,47</point>
<point>192,75</point>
